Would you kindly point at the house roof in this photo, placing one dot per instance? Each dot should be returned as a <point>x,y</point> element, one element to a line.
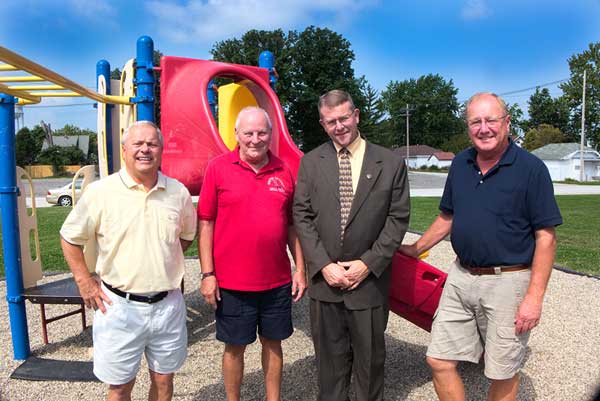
<point>417,150</point>
<point>443,155</point>
<point>558,151</point>
<point>81,141</point>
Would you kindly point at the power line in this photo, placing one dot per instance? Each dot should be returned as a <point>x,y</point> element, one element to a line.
<point>534,87</point>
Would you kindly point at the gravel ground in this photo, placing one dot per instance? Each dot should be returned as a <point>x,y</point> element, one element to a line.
<point>563,362</point>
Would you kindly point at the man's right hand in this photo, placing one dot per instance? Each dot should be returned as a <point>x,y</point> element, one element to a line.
<point>335,276</point>
<point>409,250</point>
<point>92,294</point>
<point>210,291</point>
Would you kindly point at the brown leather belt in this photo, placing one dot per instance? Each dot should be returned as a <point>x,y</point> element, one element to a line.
<point>480,271</point>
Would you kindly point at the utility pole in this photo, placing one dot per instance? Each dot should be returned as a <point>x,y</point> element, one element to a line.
<point>581,165</point>
<point>19,118</point>
<point>407,114</point>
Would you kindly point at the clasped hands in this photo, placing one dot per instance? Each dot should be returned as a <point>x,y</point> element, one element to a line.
<point>345,275</point>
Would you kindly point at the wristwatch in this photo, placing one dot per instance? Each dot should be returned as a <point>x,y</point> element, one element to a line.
<point>207,274</point>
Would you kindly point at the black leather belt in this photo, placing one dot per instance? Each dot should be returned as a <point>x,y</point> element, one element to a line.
<point>480,271</point>
<point>138,298</point>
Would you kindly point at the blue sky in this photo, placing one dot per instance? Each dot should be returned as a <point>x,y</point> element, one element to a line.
<point>501,46</point>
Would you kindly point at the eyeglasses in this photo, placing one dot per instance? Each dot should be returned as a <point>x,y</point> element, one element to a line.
<point>342,120</point>
<point>492,122</point>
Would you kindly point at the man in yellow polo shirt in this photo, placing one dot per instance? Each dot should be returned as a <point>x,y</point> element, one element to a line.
<point>141,222</point>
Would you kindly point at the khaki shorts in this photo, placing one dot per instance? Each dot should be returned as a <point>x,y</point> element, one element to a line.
<point>477,313</point>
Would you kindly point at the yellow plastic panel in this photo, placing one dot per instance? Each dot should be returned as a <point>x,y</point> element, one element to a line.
<point>31,265</point>
<point>127,113</point>
<point>232,99</point>
<point>101,124</point>
<point>90,250</point>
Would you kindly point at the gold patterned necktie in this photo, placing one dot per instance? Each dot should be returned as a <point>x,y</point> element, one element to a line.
<point>346,193</point>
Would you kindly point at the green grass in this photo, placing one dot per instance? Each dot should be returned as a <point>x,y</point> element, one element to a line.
<point>575,182</point>
<point>50,220</point>
<point>578,245</point>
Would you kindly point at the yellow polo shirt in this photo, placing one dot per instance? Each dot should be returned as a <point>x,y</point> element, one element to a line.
<point>357,155</point>
<point>136,232</point>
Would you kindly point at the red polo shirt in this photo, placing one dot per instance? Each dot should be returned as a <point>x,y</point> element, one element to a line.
<point>252,213</point>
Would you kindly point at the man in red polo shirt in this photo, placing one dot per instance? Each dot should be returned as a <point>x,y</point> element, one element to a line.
<point>245,213</point>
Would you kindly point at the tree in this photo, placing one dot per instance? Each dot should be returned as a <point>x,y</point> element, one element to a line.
<point>372,116</point>
<point>543,135</point>
<point>433,107</point>
<point>456,143</point>
<point>247,49</point>
<point>28,144</point>
<point>543,109</point>
<point>589,60</point>
<point>59,157</point>
<point>309,63</point>
<point>516,119</point>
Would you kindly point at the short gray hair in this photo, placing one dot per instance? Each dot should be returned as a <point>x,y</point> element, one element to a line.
<point>142,122</point>
<point>476,96</point>
<point>249,109</point>
<point>335,98</point>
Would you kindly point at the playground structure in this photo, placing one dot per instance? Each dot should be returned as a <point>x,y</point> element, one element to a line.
<point>191,135</point>
<point>191,138</point>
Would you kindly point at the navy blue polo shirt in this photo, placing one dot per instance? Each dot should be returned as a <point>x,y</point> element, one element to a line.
<point>495,215</point>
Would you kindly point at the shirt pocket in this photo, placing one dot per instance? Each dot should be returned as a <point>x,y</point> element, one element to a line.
<point>168,226</point>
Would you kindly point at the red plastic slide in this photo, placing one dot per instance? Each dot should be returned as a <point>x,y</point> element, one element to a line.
<point>190,132</point>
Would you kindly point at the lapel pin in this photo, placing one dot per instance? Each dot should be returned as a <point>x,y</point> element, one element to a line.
<point>369,176</point>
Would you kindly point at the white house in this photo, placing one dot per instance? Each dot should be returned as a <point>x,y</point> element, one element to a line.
<point>418,155</point>
<point>562,160</point>
<point>440,159</point>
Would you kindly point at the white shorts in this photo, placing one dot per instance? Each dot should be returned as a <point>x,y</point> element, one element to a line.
<point>130,329</point>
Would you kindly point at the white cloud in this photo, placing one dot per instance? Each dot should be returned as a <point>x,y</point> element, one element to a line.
<point>93,9</point>
<point>475,9</point>
<point>207,21</point>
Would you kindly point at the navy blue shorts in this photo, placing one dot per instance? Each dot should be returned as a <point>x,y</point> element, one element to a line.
<point>239,313</point>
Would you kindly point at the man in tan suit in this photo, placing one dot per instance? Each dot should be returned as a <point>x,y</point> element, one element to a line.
<point>349,228</point>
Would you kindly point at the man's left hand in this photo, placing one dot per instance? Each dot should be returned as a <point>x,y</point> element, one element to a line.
<point>298,285</point>
<point>356,272</point>
<point>528,315</point>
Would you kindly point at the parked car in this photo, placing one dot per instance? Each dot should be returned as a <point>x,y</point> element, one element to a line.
<point>63,196</point>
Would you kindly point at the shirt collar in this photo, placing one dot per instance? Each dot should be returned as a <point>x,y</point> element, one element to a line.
<point>273,164</point>
<point>353,147</point>
<point>508,157</point>
<point>130,182</point>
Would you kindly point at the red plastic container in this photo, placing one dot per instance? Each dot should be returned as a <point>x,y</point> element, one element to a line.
<point>416,289</point>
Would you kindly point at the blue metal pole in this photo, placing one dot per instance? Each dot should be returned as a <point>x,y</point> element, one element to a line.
<point>10,229</point>
<point>211,94</point>
<point>144,79</point>
<point>267,60</point>
<point>103,68</point>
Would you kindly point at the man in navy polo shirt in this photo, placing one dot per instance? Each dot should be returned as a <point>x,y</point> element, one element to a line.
<point>499,207</point>
<point>245,213</point>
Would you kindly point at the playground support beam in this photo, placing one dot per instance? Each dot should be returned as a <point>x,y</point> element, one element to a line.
<point>144,79</point>
<point>267,60</point>
<point>10,229</point>
<point>35,69</point>
<point>103,69</point>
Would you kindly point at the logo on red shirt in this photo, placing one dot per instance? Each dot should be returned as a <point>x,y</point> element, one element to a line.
<point>276,185</point>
